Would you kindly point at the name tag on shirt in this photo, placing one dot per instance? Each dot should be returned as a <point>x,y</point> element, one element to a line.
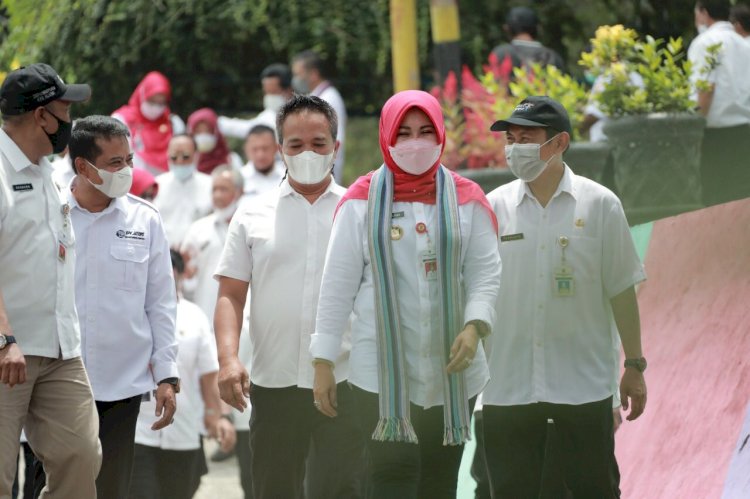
<point>23,187</point>
<point>564,284</point>
<point>428,260</point>
<point>511,237</point>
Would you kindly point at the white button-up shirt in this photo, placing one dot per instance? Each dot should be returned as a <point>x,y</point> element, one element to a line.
<point>548,348</point>
<point>204,243</point>
<point>278,244</point>
<point>730,105</point>
<point>35,278</point>
<point>197,357</point>
<point>182,203</point>
<point>348,286</point>
<point>257,184</point>
<point>125,296</point>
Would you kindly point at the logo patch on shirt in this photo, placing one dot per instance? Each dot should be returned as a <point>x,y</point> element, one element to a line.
<point>131,234</point>
<point>23,187</point>
<point>511,237</point>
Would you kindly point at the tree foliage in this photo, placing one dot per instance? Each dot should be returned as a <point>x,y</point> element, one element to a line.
<point>214,50</point>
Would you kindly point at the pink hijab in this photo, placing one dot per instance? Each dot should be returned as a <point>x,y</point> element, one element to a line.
<point>408,187</point>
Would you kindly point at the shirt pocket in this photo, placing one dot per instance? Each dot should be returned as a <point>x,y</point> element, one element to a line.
<point>130,266</point>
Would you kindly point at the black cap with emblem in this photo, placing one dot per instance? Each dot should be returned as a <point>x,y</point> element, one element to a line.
<point>536,111</point>
<point>30,87</point>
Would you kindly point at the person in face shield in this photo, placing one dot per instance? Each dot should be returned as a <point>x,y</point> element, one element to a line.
<point>125,295</point>
<point>413,261</point>
<point>275,247</point>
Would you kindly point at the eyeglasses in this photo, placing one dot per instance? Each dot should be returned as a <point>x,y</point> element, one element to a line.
<point>183,157</point>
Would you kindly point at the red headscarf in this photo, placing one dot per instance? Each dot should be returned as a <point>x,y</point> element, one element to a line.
<point>408,187</point>
<point>142,180</point>
<point>207,161</point>
<point>150,138</point>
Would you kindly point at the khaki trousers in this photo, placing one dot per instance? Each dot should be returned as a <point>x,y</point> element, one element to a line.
<point>56,407</point>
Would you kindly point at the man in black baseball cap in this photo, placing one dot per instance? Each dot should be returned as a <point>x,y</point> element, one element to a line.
<point>36,97</point>
<point>569,273</point>
<point>43,383</point>
<point>536,111</point>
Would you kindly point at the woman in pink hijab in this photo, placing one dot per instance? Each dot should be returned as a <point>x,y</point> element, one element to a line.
<point>213,150</point>
<point>150,122</point>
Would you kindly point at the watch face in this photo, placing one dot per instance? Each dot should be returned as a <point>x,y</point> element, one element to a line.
<point>3,341</point>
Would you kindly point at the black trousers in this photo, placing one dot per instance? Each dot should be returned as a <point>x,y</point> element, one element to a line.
<point>428,470</point>
<point>166,474</point>
<point>244,454</point>
<point>725,164</point>
<point>517,450</point>
<point>117,434</point>
<point>283,425</point>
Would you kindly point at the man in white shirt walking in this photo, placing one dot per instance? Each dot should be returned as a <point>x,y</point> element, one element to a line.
<point>277,246</point>
<point>725,170</point>
<point>184,192</point>
<point>263,171</point>
<point>567,290</point>
<point>43,383</point>
<point>310,78</point>
<point>125,295</point>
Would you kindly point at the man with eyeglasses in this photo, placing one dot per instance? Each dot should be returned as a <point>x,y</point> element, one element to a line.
<point>125,295</point>
<point>184,192</point>
<point>43,383</point>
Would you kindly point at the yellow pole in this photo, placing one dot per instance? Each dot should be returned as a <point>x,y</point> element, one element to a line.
<point>404,45</point>
<point>446,35</point>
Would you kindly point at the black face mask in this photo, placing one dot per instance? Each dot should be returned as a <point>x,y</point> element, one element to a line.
<point>61,137</point>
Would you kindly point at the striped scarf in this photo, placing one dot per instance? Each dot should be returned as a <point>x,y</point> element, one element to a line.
<point>394,424</point>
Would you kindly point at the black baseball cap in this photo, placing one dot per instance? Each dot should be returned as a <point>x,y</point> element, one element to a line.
<point>536,111</point>
<point>30,87</point>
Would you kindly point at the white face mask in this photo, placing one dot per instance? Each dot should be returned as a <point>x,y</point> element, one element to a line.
<point>415,156</point>
<point>205,142</point>
<point>182,172</point>
<point>309,167</point>
<point>273,102</point>
<point>114,184</point>
<point>152,111</point>
<point>524,160</point>
<point>227,212</point>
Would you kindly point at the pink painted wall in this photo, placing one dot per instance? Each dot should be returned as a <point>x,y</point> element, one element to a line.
<point>695,316</point>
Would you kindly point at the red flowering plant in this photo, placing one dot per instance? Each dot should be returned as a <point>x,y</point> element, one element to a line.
<point>469,141</point>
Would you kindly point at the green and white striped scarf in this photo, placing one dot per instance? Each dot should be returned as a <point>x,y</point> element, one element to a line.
<point>394,424</point>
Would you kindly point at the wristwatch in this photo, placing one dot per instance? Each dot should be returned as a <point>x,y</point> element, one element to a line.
<point>5,340</point>
<point>483,330</point>
<point>172,381</point>
<point>639,363</point>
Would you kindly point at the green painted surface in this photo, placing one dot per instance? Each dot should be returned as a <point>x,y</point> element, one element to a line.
<point>642,236</point>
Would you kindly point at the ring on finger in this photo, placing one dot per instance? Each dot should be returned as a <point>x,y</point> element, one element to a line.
<point>316,403</point>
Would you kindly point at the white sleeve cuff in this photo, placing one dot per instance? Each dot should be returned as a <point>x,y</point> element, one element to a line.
<point>323,346</point>
<point>480,311</point>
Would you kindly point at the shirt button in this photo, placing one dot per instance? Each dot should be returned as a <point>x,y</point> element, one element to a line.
<point>542,246</point>
<point>541,306</point>
<point>538,343</point>
<point>91,319</point>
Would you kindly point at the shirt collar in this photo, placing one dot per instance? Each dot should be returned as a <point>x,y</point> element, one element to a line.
<point>286,190</point>
<point>116,204</point>
<point>16,156</point>
<point>527,43</point>
<point>566,185</point>
<point>322,87</point>
<point>721,25</point>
